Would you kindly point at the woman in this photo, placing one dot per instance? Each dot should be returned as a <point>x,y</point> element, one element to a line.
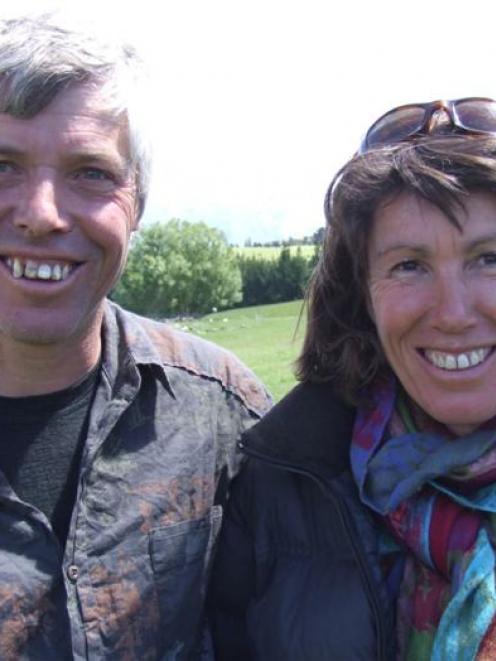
<point>362,526</point>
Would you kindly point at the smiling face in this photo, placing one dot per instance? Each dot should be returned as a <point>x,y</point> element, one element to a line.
<point>67,207</point>
<point>433,300</point>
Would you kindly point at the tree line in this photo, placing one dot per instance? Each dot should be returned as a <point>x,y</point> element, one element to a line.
<point>313,239</point>
<point>184,268</point>
<point>273,281</point>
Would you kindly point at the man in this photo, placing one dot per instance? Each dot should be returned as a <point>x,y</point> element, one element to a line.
<point>118,433</point>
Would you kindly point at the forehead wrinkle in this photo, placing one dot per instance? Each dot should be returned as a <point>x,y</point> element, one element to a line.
<point>424,250</point>
<point>80,154</point>
<point>87,131</point>
<point>85,139</point>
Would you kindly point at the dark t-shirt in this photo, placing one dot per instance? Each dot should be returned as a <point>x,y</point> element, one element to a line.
<point>41,443</point>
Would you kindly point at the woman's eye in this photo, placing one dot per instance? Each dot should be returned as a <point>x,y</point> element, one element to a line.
<point>487,259</point>
<point>406,266</point>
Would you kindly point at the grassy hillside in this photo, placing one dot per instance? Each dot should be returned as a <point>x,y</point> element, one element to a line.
<point>264,337</point>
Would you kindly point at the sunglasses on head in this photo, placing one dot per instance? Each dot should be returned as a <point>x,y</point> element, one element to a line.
<point>471,115</point>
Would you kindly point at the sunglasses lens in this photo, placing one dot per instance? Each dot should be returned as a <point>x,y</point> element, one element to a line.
<point>476,114</point>
<point>395,126</point>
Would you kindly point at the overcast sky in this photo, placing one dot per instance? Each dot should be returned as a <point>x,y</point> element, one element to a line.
<point>259,102</point>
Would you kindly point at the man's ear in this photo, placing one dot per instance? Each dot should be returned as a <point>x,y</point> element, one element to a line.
<point>139,207</point>
<point>139,200</point>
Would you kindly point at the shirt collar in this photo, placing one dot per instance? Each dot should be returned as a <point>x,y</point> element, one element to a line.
<point>127,346</point>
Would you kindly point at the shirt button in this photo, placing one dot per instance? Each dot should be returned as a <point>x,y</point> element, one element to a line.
<point>73,573</point>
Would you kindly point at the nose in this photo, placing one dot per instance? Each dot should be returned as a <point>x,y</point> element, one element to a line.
<point>453,311</point>
<point>38,211</point>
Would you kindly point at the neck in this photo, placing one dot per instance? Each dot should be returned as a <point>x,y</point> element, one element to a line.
<point>416,419</point>
<point>31,369</point>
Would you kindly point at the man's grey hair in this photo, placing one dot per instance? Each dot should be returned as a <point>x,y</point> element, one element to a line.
<point>41,55</point>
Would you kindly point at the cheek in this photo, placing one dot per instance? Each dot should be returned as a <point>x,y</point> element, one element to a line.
<point>485,298</point>
<point>111,239</point>
<point>381,305</point>
<point>111,226</point>
<point>393,310</point>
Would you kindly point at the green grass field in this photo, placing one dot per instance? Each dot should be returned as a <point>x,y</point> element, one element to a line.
<point>264,337</point>
<point>269,252</point>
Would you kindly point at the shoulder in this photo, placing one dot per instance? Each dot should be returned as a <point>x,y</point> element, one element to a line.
<point>297,455</point>
<point>178,351</point>
<point>310,427</point>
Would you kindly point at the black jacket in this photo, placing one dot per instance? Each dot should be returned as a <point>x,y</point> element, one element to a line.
<point>296,576</point>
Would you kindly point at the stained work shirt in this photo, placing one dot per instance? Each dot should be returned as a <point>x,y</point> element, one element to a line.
<point>161,442</point>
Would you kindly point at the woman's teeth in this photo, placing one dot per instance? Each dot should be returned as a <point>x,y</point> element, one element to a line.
<point>457,361</point>
<point>33,270</point>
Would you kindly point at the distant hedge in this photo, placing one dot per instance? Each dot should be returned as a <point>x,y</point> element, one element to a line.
<point>274,281</point>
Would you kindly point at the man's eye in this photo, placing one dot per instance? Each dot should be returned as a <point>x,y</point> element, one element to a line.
<point>6,167</point>
<point>94,174</point>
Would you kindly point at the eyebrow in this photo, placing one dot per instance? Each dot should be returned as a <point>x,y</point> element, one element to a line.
<point>417,249</point>
<point>8,150</point>
<point>83,156</point>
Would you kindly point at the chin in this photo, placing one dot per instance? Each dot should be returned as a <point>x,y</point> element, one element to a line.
<point>38,336</point>
<point>461,424</point>
<point>49,326</point>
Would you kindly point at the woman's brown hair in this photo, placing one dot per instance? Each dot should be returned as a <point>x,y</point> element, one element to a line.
<point>341,344</point>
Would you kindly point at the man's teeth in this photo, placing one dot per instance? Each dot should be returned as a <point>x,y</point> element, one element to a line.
<point>37,270</point>
<point>458,361</point>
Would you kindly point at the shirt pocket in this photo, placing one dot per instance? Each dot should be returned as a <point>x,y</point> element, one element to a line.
<point>181,558</point>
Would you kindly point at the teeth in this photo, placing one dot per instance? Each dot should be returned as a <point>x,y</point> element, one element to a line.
<point>57,272</point>
<point>475,357</point>
<point>460,361</point>
<point>44,271</point>
<point>31,270</point>
<point>37,270</point>
<point>450,362</point>
<point>17,268</point>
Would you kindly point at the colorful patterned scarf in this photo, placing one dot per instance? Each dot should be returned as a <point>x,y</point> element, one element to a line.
<point>437,496</point>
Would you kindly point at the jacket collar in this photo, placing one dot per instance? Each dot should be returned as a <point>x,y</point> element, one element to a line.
<point>310,429</point>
